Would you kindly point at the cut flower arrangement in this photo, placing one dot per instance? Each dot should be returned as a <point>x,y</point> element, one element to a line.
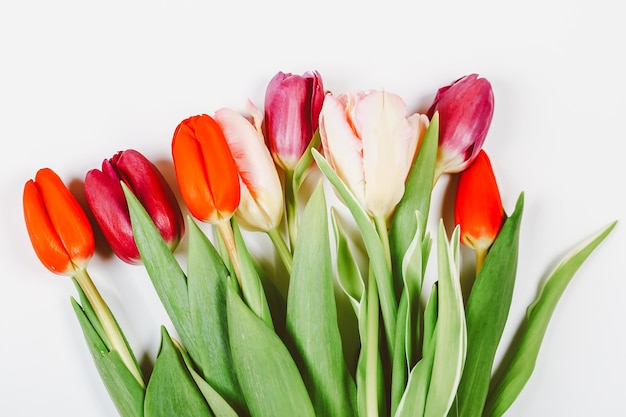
<point>250,340</point>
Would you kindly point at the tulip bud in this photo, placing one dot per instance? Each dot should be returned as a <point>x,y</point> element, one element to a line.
<point>292,108</point>
<point>465,110</point>
<point>58,227</point>
<point>107,202</point>
<point>205,169</point>
<point>370,142</point>
<point>261,206</point>
<point>478,207</point>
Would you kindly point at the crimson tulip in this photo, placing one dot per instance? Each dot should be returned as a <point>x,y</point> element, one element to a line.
<point>58,228</point>
<point>106,200</point>
<point>206,171</point>
<point>478,206</point>
<point>292,108</point>
<point>465,110</point>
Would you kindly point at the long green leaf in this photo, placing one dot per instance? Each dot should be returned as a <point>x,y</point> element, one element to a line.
<point>171,390</point>
<point>374,247</point>
<point>312,316</point>
<point>167,277</point>
<point>127,394</point>
<point>207,281</point>
<point>267,374</point>
<point>417,194</point>
<point>517,370</point>
<point>486,314</point>
<point>451,334</point>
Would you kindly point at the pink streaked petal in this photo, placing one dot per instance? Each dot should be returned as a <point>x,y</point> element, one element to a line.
<point>342,146</point>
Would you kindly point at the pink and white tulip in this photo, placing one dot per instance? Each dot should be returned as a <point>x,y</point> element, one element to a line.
<point>261,206</point>
<point>370,142</point>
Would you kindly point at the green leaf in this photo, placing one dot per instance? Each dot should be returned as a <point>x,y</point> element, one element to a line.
<point>167,277</point>
<point>252,287</point>
<point>348,274</point>
<point>125,391</point>
<point>374,247</point>
<point>451,333</point>
<point>417,195</point>
<point>267,374</point>
<point>304,164</point>
<point>207,281</point>
<point>171,390</point>
<point>218,404</point>
<point>518,369</point>
<point>413,400</point>
<point>486,314</point>
<point>312,316</point>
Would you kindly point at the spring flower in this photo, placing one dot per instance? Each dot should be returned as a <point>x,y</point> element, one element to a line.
<point>58,227</point>
<point>478,206</point>
<point>465,110</point>
<point>292,108</point>
<point>206,172</point>
<point>106,200</point>
<point>370,142</point>
<point>261,206</point>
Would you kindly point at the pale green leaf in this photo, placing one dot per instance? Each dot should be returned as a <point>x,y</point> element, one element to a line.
<point>348,274</point>
<point>518,369</point>
<point>267,374</point>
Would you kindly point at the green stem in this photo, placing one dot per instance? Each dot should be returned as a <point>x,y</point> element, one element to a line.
<point>371,364</point>
<point>111,329</point>
<point>291,208</point>
<point>226,232</point>
<point>281,248</point>
<point>481,253</point>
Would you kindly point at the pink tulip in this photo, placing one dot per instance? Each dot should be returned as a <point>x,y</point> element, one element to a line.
<point>292,108</point>
<point>107,202</point>
<point>261,205</point>
<point>465,110</point>
<point>370,142</point>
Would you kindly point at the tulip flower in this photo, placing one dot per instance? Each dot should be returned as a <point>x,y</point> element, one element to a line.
<point>465,110</point>
<point>206,172</point>
<point>370,142</point>
<point>58,227</point>
<point>261,205</point>
<point>292,108</point>
<point>478,207</point>
<point>106,200</point>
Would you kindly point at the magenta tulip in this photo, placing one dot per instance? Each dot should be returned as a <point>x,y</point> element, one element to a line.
<point>292,108</point>
<point>106,200</point>
<point>465,110</point>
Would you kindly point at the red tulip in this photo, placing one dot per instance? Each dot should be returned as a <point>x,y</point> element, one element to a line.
<point>465,110</point>
<point>58,227</point>
<point>478,206</point>
<point>107,202</point>
<point>205,169</point>
<point>292,108</point>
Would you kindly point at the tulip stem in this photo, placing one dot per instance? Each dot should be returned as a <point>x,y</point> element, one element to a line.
<point>481,253</point>
<point>371,359</point>
<point>226,231</point>
<point>281,248</point>
<point>111,329</point>
<point>291,208</point>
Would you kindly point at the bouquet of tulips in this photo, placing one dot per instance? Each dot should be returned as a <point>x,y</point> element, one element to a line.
<point>249,339</point>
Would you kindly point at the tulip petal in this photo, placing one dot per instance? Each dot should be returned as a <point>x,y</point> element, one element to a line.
<point>261,204</point>
<point>343,147</point>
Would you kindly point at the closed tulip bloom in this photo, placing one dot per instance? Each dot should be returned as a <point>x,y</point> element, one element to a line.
<point>292,108</point>
<point>261,205</point>
<point>58,227</point>
<point>478,206</point>
<point>465,110</point>
<point>370,142</point>
<point>206,172</point>
<point>107,202</point>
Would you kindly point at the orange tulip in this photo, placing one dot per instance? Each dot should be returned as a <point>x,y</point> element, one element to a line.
<point>58,227</point>
<point>478,206</point>
<point>205,169</point>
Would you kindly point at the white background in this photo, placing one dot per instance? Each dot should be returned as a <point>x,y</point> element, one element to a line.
<point>80,80</point>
